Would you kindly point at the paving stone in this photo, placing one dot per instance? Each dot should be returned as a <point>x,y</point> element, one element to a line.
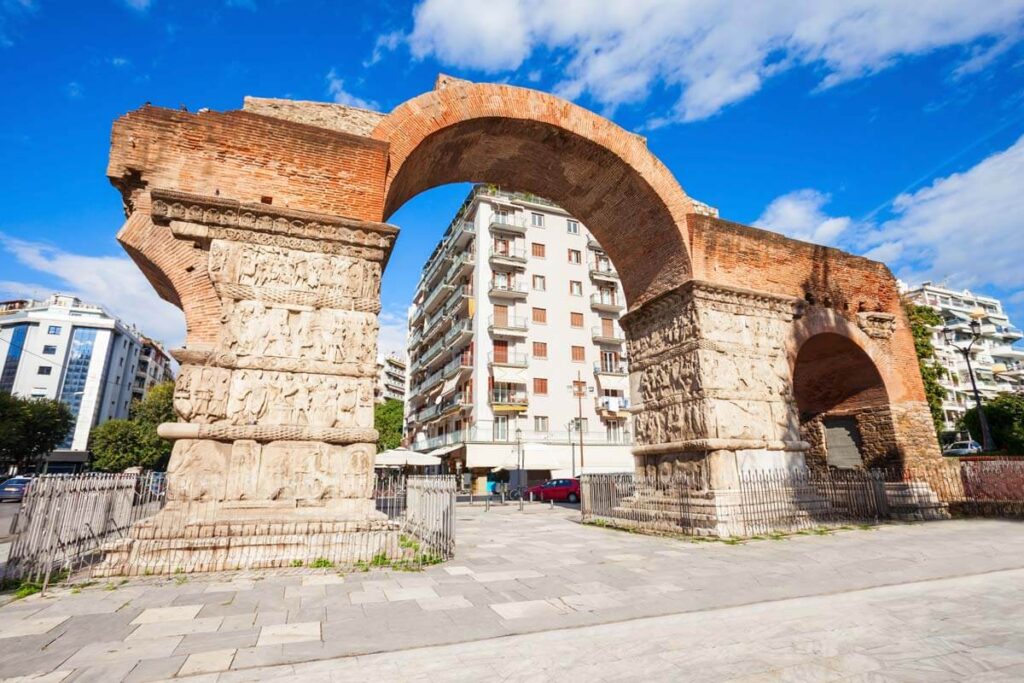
<point>444,603</point>
<point>207,662</point>
<point>163,614</point>
<point>221,640</point>
<point>157,669</point>
<point>151,631</point>
<point>31,626</point>
<point>288,633</point>
<point>419,593</point>
<point>110,651</point>
<point>528,609</point>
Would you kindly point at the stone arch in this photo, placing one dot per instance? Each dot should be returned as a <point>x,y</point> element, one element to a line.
<point>531,141</point>
<point>842,395</point>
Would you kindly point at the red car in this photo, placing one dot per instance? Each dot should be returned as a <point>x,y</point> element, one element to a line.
<point>567,490</point>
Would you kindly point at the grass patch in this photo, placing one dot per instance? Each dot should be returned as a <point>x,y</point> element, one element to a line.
<point>321,563</point>
<point>296,563</point>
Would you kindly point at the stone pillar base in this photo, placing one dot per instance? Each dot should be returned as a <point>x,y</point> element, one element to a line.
<point>172,543</point>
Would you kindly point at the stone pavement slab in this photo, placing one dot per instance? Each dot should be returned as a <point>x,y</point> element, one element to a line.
<point>551,575</point>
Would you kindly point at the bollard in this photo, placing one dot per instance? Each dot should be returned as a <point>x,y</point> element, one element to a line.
<point>521,503</point>
<point>503,496</point>
<point>487,504</point>
<point>471,496</point>
<point>552,503</point>
<point>531,496</point>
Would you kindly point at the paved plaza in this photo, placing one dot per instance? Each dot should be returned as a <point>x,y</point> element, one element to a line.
<point>534,595</point>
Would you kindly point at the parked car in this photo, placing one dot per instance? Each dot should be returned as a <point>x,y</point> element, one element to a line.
<point>962,448</point>
<point>14,488</point>
<point>567,490</point>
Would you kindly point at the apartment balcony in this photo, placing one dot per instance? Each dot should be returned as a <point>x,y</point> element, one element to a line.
<point>517,227</point>
<point>461,363</point>
<point>608,304</point>
<point>504,400</point>
<point>460,332</point>
<point>432,352</point>
<point>427,413</point>
<point>458,302</point>
<point>437,297</point>
<point>507,326</point>
<point>451,438</point>
<point>462,264</point>
<point>456,402</point>
<point>508,290</point>
<point>602,336</point>
<point>594,244</point>
<point>618,369</point>
<point>488,434</point>
<point>507,257</point>
<point>603,273</point>
<point>463,234</point>
<point>508,360</point>
<point>1011,332</point>
<point>611,407</point>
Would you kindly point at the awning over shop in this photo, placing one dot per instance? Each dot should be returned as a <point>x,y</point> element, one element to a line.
<point>400,457</point>
<point>445,450</point>
<point>510,375</point>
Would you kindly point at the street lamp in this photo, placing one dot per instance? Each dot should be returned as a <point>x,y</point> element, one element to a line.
<point>520,461</point>
<point>572,445</point>
<point>950,336</point>
<point>579,389</point>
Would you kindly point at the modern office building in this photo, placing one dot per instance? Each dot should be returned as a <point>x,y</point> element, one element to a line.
<point>390,378</point>
<point>998,365</point>
<point>515,348</point>
<point>62,348</point>
<point>154,368</point>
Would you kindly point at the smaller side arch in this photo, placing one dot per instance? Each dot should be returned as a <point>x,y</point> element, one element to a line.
<point>842,394</point>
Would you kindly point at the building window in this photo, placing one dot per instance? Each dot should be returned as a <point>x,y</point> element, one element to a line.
<point>540,283</point>
<point>579,354</point>
<point>538,250</point>
<point>540,386</point>
<point>49,350</point>
<point>540,423</point>
<point>576,319</point>
<point>13,358</point>
<point>79,357</point>
<point>44,370</point>
<point>53,329</point>
<point>572,227</point>
<point>540,350</point>
<point>575,288</point>
<point>540,316</point>
<point>537,220</point>
<point>575,256</point>
<point>500,429</point>
<point>580,423</point>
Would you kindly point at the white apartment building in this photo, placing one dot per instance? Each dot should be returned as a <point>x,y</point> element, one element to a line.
<point>515,348</point>
<point>78,353</point>
<point>154,368</point>
<point>390,379</point>
<point>998,365</point>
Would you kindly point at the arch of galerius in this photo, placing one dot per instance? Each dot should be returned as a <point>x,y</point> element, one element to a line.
<point>266,226</point>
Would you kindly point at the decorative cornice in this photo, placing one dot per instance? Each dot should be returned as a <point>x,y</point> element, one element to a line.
<point>704,445</point>
<point>266,433</point>
<point>231,219</point>
<point>230,361</point>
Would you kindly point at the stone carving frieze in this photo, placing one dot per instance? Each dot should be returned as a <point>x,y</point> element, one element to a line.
<point>260,267</point>
<point>253,329</point>
<point>212,395</point>
<point>204,234</point>
<point>877,325</point>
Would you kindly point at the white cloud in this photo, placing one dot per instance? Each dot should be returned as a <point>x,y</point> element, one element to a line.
<point>714,53</point>
<point>114,282</point>
<point>800,215</point>
<point>966,228</point>
<point>336,89</point>
<point>386,43</point>
<point>393,333</point>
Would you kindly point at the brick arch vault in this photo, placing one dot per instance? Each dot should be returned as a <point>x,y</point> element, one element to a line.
<point>267,226</point>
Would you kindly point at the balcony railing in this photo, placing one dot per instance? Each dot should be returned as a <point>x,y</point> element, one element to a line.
<point>508,397</point>
<point>603,271</point>
<point>459,327</point>
<point>436,297</point>
<point>510,360</point>
<point>594,244</point>
<point>458,263</point>
<point>458,364</point>
<point>604,302</point>
<point>507,322</point>
<point>510,254</point>
<point>459,399</point>
<point>464,228</point>
<point>488,434</point>
<point>508,288</point>
<point>611,404</point>
<point>508,224</point>
<point>611,369</point>
<point>608,336</point>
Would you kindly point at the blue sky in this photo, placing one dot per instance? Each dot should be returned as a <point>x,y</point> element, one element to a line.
<point>886,127</point>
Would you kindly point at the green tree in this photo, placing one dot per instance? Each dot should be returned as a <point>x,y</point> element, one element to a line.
<point>119,444</point>
<point>387,419</point>
<point>30,428</point>
<point>1005,415</point>
<point>922,320</point>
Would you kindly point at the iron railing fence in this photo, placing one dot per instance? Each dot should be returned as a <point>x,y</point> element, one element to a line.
<point>770,501</point>
<point>64,519</point>
<point>107,525</point>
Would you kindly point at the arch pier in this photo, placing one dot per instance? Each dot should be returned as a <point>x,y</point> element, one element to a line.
<point>267,227</point>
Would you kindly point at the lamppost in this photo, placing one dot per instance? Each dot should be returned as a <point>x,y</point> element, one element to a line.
<point>572,445</point>
<point>579,389</point>
<point>520,462</point>
<point>950,336</point>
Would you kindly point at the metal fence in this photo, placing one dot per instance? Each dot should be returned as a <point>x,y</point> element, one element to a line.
<point>770,501</point>
<point>105,525</point>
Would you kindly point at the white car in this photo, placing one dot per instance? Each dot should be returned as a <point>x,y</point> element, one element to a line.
<point>962,448</point>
